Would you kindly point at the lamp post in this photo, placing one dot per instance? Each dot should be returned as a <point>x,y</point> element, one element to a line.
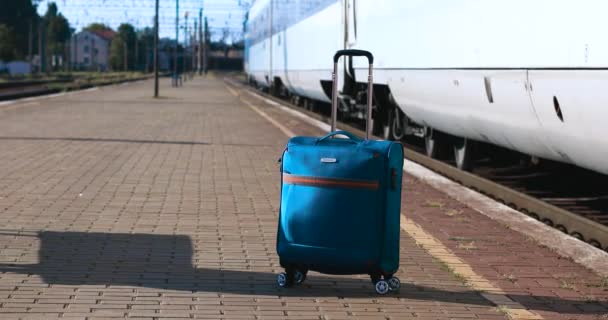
<point>184,59</point>
<point>156,52</point>
<point>193,49</point>
<point>200,41</point>
<point>176,42</point>
<point>205,45</point>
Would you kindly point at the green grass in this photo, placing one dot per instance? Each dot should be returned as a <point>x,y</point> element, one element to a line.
<point>566,285</point>
<point>76,75</point>
<point>433,204</point>
<point>511,278</point>
<point>451,213</point>
<point>468,246</point>
<point>460,239</point>
<point>602,284</point>
<point>465,243</point>
<point>445,267</point>
<point>502,309</point>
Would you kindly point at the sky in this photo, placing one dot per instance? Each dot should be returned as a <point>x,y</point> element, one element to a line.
<point>221,14</point>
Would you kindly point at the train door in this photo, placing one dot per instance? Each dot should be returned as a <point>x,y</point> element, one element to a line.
<point>571,107</point>
<point>281,10</point>
<point>350,29</point>
<point>506,117</point>
<point>269,40</point>
<point>349,18</point>
<point>247,44</point>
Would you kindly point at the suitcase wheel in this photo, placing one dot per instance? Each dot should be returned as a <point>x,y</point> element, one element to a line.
<point>394,283</point>
<point>382,287</point>
<point>289,278</point>
<point>285,280</point>
<point>300,277</point>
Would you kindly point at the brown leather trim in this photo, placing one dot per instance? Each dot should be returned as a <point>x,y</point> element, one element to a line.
<point>327,182</point>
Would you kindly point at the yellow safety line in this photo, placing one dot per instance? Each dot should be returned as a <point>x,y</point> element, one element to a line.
<point>435,248</point>
<point>490,292</point>
<point>286,131</point>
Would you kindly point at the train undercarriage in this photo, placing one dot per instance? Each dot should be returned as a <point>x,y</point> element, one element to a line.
<point>388,120</point>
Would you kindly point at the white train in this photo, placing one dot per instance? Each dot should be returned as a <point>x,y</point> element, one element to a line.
<point>527,75</point>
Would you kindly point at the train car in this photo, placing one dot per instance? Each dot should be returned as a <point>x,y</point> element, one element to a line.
<point>281,61</point>
<point>523,75</point>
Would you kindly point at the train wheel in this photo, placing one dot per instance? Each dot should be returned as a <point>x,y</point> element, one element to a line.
<point>464,152</point>
<point>312,105</point>
<point>273,90</point>
<point>398,123</point>
<point>436,143</point>
<point>307,104</point>
<point>380,129</point>
<point>380,126</point>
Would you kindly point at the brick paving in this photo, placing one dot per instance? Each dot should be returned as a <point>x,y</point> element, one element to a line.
<point>117,205</point>
<point>529,273</point>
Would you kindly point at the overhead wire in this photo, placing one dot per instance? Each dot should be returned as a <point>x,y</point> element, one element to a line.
<point>224,15</point>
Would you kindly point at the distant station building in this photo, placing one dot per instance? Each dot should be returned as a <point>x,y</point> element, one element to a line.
<point>90,50</point>
<point>226,59</point>
<point>166,49</point>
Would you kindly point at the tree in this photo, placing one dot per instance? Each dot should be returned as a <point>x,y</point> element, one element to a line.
<point>124,40</point>
<point>225,35</point>
<point>145,43</point>
<point>239,45</point>
<point>7,43</point>
<point>96,27</point>
<point>58,27</point>
<point>21,17</point>
<point>117,54</point>
<point>57,31</point>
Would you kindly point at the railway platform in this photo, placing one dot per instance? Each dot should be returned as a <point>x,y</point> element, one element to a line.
<point>116,205</point>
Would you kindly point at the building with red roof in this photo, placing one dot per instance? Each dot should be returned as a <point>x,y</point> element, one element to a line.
<point>90,50</point>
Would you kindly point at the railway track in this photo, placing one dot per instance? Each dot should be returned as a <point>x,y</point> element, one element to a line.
<point>22,89</point>
<point>570,199</point>
<point>25,89</point>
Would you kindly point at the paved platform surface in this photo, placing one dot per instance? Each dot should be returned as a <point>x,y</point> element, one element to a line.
<point>117,205</point>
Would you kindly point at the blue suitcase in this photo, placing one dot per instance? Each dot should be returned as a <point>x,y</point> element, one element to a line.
<point>340,203</point>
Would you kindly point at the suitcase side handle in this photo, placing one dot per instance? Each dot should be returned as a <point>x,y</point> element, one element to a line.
<point>351,137</point>
<point>370,87</point>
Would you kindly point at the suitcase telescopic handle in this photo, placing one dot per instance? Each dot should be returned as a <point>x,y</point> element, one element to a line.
<point>370,87</point>
<point>354,53</point>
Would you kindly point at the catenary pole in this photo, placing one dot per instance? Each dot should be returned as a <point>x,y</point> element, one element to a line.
<point>176,42</point>
<point>200,41</point>
<point>156,51</point>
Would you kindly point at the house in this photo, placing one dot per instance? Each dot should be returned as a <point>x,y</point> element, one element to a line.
<point>15,68</point>
<point>90,50</point>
